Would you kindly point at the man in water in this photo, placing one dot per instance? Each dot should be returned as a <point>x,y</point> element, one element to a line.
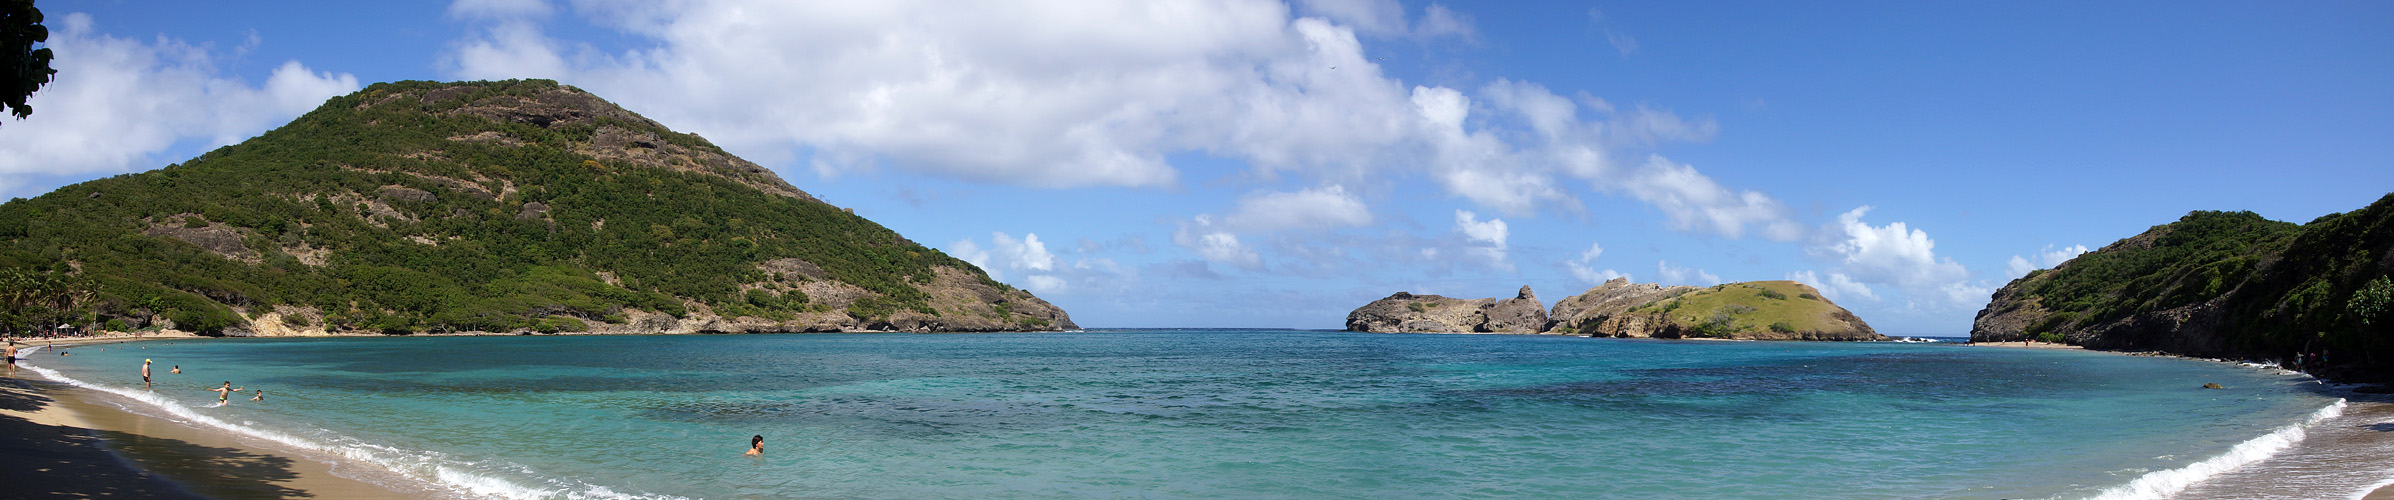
<point>12,352</point>
<point>261,396</point>
<point>756,445</point>
<point>226,392</point>
<point>178,370</point>
<point>145,373</point>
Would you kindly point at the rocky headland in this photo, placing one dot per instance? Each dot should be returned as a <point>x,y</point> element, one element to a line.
<point>2227,285</point>
<point>1760,310</point>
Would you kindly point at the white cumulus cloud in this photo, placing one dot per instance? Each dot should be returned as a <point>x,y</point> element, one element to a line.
<point>1214,244</point>
<point>1684,275</point>
<point>1835,286</point>
<point>1486,238</point>
<point>1005,253</point>
<point>1897,255</point>
<point>1097,95</point>
<point>1694,201</point>
<point>1584,267</point>
<point>1320,208</point>
<point>2047,258</point>
<point>119,102</point>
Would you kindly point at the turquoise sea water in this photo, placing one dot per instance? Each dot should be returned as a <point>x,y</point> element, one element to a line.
<point>1212,414</point>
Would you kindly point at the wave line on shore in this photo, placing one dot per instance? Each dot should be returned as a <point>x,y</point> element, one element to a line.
<point>2163,484</point>
<point>427,467</point>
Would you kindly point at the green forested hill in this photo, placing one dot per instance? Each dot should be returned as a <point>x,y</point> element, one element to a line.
<point>2222,284</point>
<point>480,206</point>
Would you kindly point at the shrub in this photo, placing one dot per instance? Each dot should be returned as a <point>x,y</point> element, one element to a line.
<point>1416,307</point>
<point>1772,294</point>
<point>1782,327</point>
<point>116,325</point>
<point>1807,296</point>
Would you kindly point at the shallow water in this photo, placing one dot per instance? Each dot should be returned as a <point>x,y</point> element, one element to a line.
<point>1212,413</point>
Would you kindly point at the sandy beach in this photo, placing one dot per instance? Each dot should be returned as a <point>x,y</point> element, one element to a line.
<point>58,441</point>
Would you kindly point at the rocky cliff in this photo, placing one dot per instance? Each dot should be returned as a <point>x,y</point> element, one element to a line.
<point>1408,313</point>
<point>509,206</point>
<point>1757,310</point>
<point>2222,284</point>
<point>1761,310</point>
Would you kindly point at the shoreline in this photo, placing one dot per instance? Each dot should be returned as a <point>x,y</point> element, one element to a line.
<point>66,441</point>
<point>116,450</point>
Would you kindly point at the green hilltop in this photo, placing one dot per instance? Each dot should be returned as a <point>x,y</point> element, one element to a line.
<point>2222,284</point>
<point>502,206</point>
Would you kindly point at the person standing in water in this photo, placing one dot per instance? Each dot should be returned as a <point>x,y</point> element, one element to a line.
<point>224,393</point>
<point>756,446</point>
<point>145,373</point>
<point>261,396</point>
<point>178,370</point>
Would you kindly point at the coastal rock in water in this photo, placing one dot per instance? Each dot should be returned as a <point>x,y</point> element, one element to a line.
<point>1585,312</point>
<point>1756,310</point>
<point>1408,313</point>
<point>1520,314</point>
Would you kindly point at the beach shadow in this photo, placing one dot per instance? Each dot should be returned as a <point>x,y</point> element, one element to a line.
<point>18,395</point>
<point>216,472</point>
<point>50,461</point>
<point>2380,427</point>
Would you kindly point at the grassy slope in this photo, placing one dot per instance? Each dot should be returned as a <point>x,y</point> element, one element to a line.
<point>1734,308</point>
<point>669,236</point>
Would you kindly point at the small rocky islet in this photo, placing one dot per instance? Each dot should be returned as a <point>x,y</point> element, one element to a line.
<point>1755,310</point>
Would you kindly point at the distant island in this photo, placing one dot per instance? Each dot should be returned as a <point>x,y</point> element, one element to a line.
<point>2224,285</point>
<point>1754,310</point>
<point>519,206</point>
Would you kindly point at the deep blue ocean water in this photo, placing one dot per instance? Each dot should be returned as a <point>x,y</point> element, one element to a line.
<point>1210,414</point>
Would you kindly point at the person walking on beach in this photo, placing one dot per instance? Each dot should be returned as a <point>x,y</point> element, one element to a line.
<point>756,446</point>
<point>225,393</point>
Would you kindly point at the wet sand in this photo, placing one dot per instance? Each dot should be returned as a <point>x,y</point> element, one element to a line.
<point>58,441</point>
<point>2340,457</point>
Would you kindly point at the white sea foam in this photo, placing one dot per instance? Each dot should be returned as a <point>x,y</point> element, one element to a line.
<point>2364,493</point>
<point>461,477</point>
<point>2162,484</point>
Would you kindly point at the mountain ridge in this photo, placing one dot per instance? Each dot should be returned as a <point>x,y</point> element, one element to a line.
<point>497,206</point>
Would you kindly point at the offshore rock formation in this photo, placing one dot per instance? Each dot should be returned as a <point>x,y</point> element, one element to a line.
<point>1761,310</point>
<point>1754,310</point>
<point>1408,313</point>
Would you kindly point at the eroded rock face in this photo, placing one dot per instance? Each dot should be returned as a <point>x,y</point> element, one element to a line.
<point>1408,313</point>
<point>1587,312</point>
<point>1520,314</point>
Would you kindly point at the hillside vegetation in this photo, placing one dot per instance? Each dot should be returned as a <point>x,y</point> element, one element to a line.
<point>1754,310</point>
<point>480,206</point>
<point>1766,310</point>
<point>2221,284</point>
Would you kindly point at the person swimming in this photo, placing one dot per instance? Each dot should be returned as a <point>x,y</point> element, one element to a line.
<point>224,393</point>
<point>178,369</point>
<point>756,445</point>
<point>260,397</point>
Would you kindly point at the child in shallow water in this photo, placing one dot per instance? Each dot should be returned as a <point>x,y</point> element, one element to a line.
<point>756,445</point>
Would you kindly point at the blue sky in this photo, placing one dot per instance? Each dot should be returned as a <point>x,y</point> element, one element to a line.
<point>1242,163</point>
